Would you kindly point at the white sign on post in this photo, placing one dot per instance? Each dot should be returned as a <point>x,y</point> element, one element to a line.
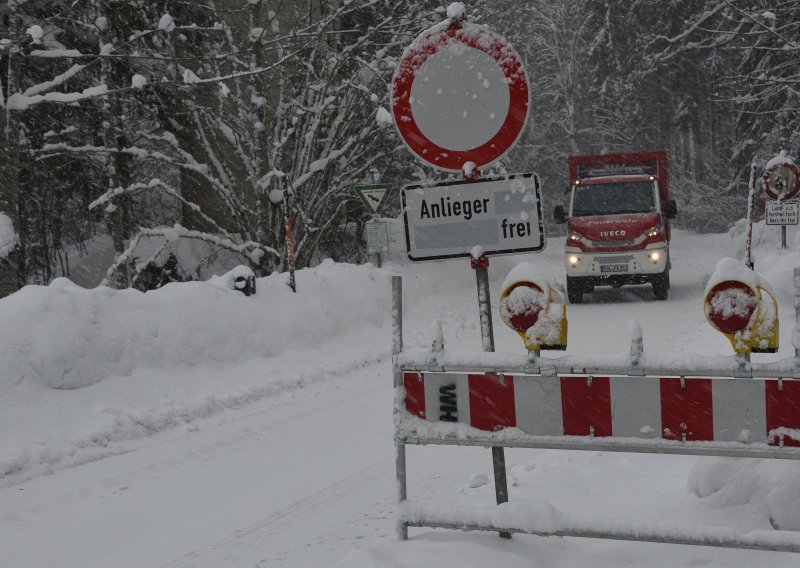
<point>377,236</point>
<point>446,220</point>
<point>783,212</point>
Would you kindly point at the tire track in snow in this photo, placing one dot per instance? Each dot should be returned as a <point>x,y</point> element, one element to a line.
<point>130,426</point>
<point>255,534</point>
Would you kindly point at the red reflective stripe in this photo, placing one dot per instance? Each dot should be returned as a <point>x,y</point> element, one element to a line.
<point>687,410</point>
<point>783,410</point>
<point>415,393</point>
<point>491,402</point>
<point>586,406</point>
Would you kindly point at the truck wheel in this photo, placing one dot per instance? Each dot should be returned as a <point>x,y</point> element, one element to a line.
<point>574,290</point>
<point>661,285</point>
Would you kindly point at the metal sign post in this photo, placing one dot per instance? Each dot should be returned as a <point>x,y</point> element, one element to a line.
<point>481,267</point>
<point>397,348</point>
<point>751,196</point>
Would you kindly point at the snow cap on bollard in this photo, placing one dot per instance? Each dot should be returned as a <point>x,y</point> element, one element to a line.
<point>456,12</point>
<point>437,335</point>
<point>739,304</point>
<point>534,309</point>
<point>635,329</point>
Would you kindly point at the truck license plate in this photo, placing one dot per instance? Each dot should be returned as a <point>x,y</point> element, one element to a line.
<point>613,267</point>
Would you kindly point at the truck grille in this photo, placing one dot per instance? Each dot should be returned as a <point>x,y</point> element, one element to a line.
<point>622,243</point>
<point>623,259</point>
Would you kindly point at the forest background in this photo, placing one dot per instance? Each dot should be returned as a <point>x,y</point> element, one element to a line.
<point>133,131</point>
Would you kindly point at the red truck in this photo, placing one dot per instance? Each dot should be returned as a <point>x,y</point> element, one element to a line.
<point>618,222</point>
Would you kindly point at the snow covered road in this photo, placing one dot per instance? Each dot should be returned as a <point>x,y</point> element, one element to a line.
<point>287,460</point>
<point>236,491</point>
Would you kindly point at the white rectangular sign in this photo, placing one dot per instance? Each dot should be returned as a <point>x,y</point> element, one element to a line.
<point>783,212</point>
<point>377,236</point>
<point>446,220</point>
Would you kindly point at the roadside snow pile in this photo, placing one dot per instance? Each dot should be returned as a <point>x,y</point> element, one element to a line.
<point>773,484</point>
<point>68,337</point>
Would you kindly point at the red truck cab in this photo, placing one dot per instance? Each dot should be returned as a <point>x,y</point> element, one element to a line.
<point>618,221</point>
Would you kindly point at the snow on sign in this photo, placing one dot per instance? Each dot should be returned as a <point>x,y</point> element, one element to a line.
<point>373,196</point>
<point>446,220</point>
<point>783,212</point>
<point>460,94</point>
<point>782,181</point>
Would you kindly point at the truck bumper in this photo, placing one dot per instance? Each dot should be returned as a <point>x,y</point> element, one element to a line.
<point>631,265</point>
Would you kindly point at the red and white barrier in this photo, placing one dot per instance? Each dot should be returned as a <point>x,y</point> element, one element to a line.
<point>687,410</point>
<point>606,403</point>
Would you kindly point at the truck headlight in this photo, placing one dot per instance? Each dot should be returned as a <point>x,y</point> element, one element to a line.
<point>653,231</point>
<point>654,256</point>
<point>575,236</point>
<point>573,260</point>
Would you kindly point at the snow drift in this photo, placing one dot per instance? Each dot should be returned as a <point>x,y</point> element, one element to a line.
<point>67,337</point>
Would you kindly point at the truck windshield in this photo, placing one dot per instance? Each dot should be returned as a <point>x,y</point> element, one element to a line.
<point>613,198</point>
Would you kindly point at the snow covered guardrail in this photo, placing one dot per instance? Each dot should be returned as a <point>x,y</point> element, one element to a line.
<point>635,402</point>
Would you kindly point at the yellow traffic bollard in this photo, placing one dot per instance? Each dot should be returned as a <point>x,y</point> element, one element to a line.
<point>536,311</point>
<point>747,314</point>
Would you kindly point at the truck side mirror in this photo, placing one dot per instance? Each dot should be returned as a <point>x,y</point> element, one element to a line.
<point>559,215</point>
<point>672,209</point>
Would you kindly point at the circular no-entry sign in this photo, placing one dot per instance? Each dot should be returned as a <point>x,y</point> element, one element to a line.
<point>782,181</point>
<point>460,94</point>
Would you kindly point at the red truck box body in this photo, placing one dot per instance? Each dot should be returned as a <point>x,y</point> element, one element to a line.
<point>626,163</point>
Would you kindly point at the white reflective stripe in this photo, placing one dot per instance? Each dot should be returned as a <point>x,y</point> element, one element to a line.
<point>433,382</point>
<point>537,402</point>
<point>740,411</point>
<point>636,407</point>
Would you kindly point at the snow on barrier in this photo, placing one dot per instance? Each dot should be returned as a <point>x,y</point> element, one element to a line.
<point>626,404</point>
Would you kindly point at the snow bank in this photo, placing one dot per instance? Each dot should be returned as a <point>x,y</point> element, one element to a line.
<point>724,482</point>
<point>67,337</point>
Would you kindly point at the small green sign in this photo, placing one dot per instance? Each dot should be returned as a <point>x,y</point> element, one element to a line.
<point>373,196</point>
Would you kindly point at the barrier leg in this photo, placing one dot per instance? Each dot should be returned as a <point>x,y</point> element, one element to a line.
<point>400,460</point>
<point>397,347</point>
<point>500,482</point>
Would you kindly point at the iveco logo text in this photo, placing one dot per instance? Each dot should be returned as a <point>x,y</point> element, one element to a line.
<point>612,233</point>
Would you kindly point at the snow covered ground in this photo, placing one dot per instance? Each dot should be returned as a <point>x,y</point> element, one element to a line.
<point>193,426</point>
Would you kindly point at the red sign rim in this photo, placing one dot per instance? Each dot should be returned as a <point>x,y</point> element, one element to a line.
<point>795,190</point>
<point>519,98</point>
